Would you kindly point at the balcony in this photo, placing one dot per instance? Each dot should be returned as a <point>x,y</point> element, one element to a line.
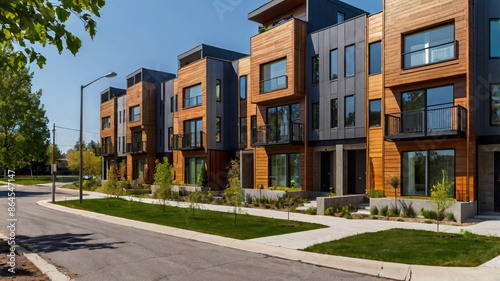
<point>285,133</point>
<point>430,55</point>
<point>444,122</point>
<point>188,141</point>
<point>106,150</point>
<point>274,84</point>
<point>136,148</point>
<point>193,101</point>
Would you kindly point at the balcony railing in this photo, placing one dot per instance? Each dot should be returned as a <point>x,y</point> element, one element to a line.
<point>106,150</point>
<point>427,123</point>
<point>136,147</point>
<point>192,101</point>
<point>273,84</point>
<point>188,141</point>
<point>430,55</point>
<point>285,133</point>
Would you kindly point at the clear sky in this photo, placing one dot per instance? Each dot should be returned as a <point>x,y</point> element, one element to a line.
<point>133,34</point>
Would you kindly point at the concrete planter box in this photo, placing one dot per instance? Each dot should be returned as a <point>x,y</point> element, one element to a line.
<point>461,210</point>
<point>272,194</point>
<point>183,190</point>
<point>338,201</point>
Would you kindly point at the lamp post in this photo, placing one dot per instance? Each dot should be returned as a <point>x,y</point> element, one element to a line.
<point>109,75</point>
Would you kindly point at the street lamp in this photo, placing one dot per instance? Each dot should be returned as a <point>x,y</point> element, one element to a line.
<point>109,75</point>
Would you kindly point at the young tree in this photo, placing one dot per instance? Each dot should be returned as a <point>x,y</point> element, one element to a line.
<point>91,163</point>
<point>111,187</point>
<point>163,178</point>
<point>441,197</point>
<point>123,171</point>
<point>203,179</point>
<point>233,188</point>
<point>37,21</point>
<point>394,182</point>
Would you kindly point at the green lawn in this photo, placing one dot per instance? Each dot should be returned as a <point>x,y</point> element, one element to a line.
<point>218,223</point>
<point>40,180</point>
<point>415,247</point>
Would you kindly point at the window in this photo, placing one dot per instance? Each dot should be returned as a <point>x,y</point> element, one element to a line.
<point>253,127</point>
<point>421,170</point>
<point>193,169</point>
<point>170,138</point>
<point>106,123</point>
<point>243,131</point>
<point>350,115</point>
<point>138,169</point>
<point>135,113</point>
<point>334,113</point>
<point>375,58</point>
<point>176,103</point>
<point>494,38</point>
<point>192,96</point>
<point>119,145</point>
<point>283,122</point>
<point>120,118</point>
<point>315,112</point>
<point>123,144</point>
<point>285,170</point>
<point>430,46</point>
<point>350,68</point>
<point>193,133</point>
<point>340,17</point>
<point>334,65</point>
<point>273,76</point>
<point>495,104</point>
<point>375,113</point>
<point>315,69</point>
<point>217,89</point>
<point>217,129</point>
<point>171,104</point>
<point>124,116</point>
<point>243,87</point>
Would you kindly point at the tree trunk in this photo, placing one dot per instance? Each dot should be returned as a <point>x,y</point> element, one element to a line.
<point>31,169</point>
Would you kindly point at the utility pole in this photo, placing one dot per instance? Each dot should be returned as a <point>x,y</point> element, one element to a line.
<point>54,167</point>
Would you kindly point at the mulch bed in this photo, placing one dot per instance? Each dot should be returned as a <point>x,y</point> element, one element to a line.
<point>25,270</point>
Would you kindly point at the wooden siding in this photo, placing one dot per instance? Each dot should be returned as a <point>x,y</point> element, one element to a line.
<point>296,12</point>
<point>286,40</point>
<point>108,109</point>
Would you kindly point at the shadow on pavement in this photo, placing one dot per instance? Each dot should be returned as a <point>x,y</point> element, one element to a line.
<point>63,242</point>
<point>4,193</point>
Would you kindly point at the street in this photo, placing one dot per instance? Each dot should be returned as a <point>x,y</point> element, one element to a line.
<point>87,249</point>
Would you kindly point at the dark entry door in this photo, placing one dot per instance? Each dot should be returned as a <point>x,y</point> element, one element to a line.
<point>351,174</point>
<point>497,181</point>
<point>326,171</point>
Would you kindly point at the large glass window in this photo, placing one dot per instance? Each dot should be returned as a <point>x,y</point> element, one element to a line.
<point>273,76</point>
<point>350,113</point>
<point>340,17</point>
<point>193,169</point>
<point>350,61</point>
<point>334,113</point>
<point>376,58</point>
<point>253,128</point>
<point>430,46</point>
<point>218,89</point>
<point>495,38</point>
<point>170,138</point>
<point>284,169</point>
<point>243,87</point>
<point>495,104</point>
<point>315,69</point>
<point>243,131</point>
<point>315,113</point>
<point>135,114</point>
<point>138,168</point>
<point>334,64</point>
<point>217,129</point>
<point>424,169</point>
<point>192,96</point>
<point>279,119</point>
<point>192,133</point>
<point>375,113</point>
<point>106,123</point>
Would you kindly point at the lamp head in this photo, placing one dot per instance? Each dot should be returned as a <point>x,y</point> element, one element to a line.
<point>110,75</point>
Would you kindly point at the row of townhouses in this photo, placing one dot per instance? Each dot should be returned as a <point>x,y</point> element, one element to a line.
<point>329,97</point>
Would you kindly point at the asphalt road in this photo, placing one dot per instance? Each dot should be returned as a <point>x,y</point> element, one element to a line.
<point>88,249</point>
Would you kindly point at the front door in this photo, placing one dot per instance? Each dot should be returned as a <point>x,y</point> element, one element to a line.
<point>351,172</point>
<point>497,182</point>
<point>326,171</point>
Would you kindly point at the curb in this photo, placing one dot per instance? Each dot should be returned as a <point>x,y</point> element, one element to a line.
<point>46,268</point>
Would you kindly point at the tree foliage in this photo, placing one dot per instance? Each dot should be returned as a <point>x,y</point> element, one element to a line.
<point>233,188</point>
<point>24,129</point>
<point>163,178</point>
<point>29,22</point>
<point>203,179</point>
<point>441,197</point>
<point>111,187</point>
<point>91,163</point>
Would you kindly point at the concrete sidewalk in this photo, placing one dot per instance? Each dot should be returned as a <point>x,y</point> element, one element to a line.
<point>374,268</point>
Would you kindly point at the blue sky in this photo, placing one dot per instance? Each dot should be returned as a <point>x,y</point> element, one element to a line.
<point>130,36</point>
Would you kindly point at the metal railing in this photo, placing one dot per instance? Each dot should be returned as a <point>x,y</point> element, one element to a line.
<point>429,55</point>
<point>285,133</point>
<point>135,118</point>
<point>136,147</point>
<point>426,122</point>
<point>273,84</point>
<point>106,150</point>
<point>188,141</point>
<point>192,101</point>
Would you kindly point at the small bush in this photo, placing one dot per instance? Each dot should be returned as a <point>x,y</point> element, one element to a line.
<point>374,218</point>
<point>429,222</point>
<point>249,199</point>
<point>401,220</point>
<point>407,210</point>
<point>374,211</point>
<point>384,210</point>
<point>429,214</point>
<point>395,211</point>
<point>376,194</point>
<point>256,203</point>
<point>127,184</point>
<point>329,212</point>
<point>312,210</point>
<point>390,213</point>
<point>468,234</point>
<point>450,217</point>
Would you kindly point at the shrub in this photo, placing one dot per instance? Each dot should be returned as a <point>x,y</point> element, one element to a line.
<point>390,213</point>
<point>312,210</point>
<point>407,210</point>
<point>352,208</point>
<point>468,234</point>
<point>384,210</point>
<point>401,220</point>
<point>376,194</point>
<point>203,179</point>
<point>395,211</point>
<point>329,212</point>
<point>430,214</point>
<point>450,217</point>
<point>249,199</point>
<point>374,211</point>
<point>126,184</point>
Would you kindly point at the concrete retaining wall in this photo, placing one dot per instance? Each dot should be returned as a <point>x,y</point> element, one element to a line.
<point>183,190</point>
<point>338,201</point>
<point>271,194</point>
<point>461,210</point>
